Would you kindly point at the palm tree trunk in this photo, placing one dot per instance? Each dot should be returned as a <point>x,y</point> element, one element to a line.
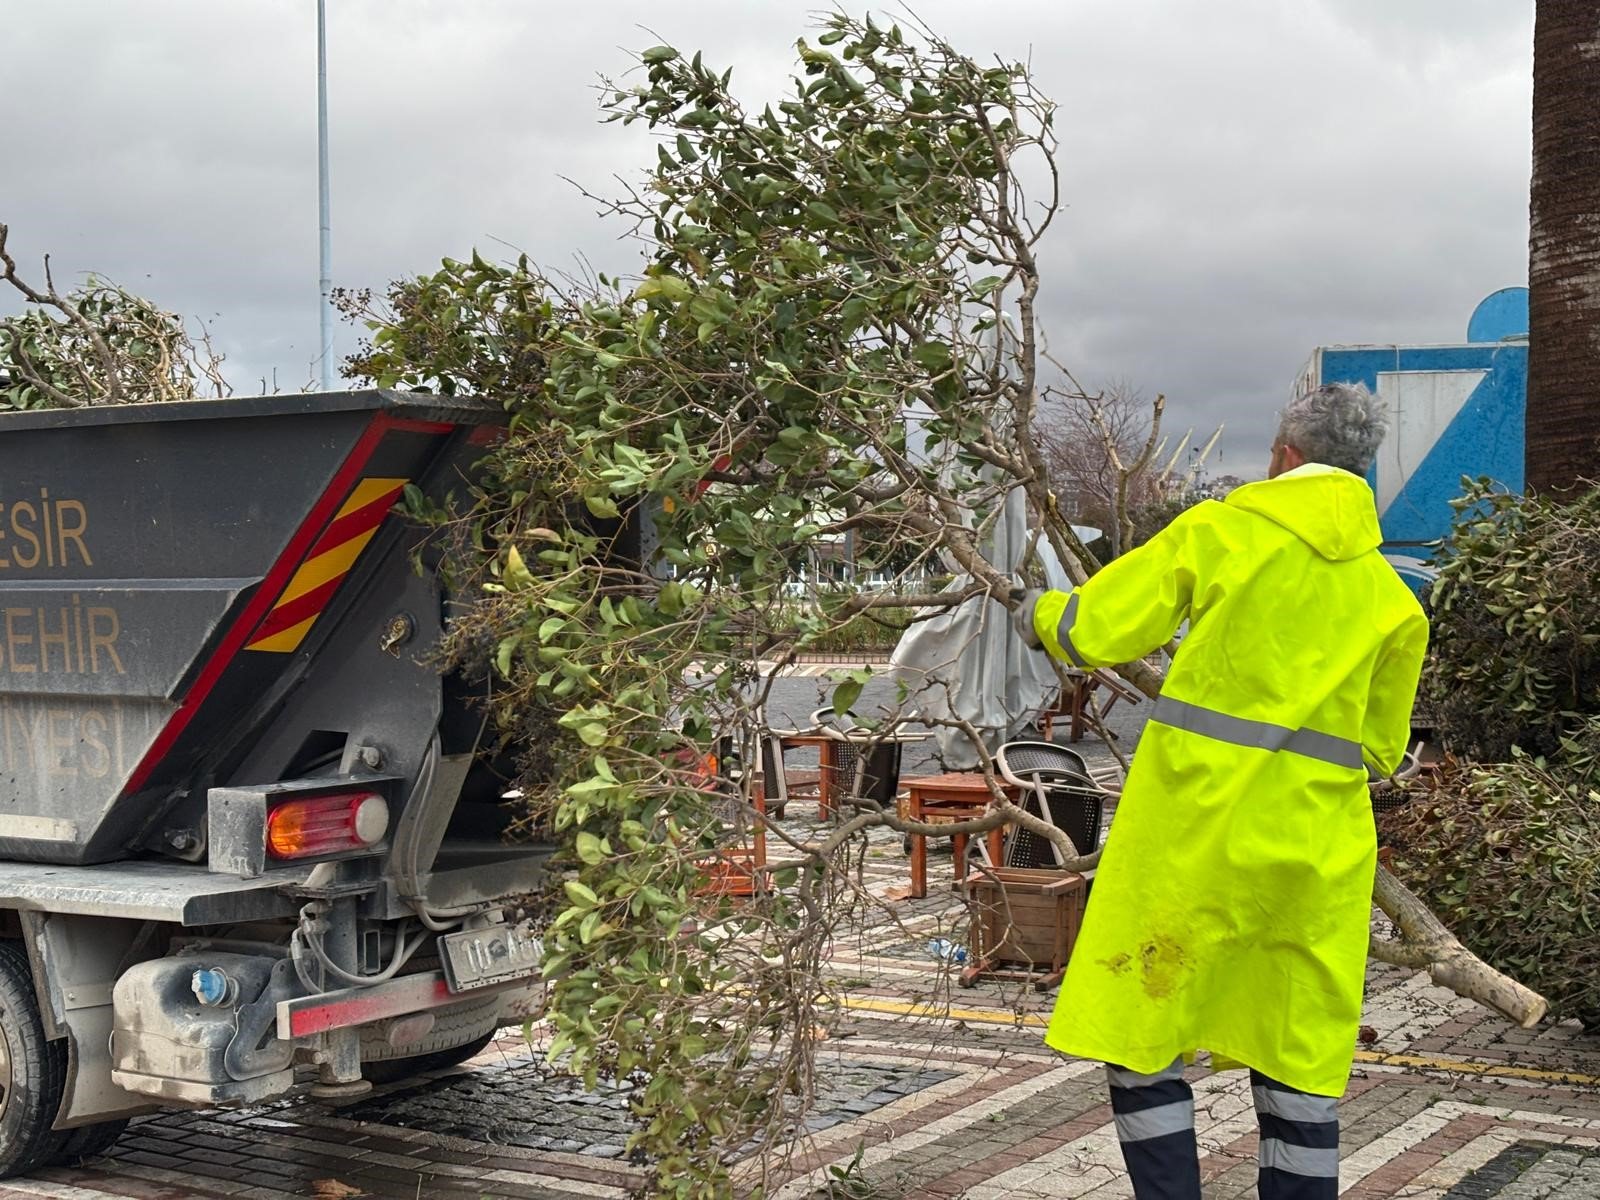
<point>1564,249</point>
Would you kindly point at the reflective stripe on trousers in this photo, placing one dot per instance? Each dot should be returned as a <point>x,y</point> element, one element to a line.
<point>1154,1116</point>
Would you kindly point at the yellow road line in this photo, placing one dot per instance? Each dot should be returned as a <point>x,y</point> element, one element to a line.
<point>990,1016</point>
<point>1467,1066</point>
<point>979,1016</point>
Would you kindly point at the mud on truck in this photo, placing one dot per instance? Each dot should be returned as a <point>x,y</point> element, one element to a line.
<point>247,827</point>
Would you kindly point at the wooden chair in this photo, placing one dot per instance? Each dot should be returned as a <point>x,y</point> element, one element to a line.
<point>1026,911</point>
<point>1024,923</point>
<point>738,865</point>
<point>1079,703</point>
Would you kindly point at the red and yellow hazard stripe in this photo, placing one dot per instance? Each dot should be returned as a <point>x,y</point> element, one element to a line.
<point>330,560</point>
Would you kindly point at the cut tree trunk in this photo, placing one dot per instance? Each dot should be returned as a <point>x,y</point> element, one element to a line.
<point>1564,249</point>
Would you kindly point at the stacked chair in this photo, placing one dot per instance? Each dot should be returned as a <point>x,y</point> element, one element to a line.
<point>1057,787</point>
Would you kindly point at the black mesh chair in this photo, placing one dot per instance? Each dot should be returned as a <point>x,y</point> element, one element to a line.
<point>1017,760</point>
<point>778,781</point>
<point>1058,789</point>
<point>862,769</point>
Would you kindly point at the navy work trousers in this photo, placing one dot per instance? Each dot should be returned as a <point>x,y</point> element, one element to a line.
<point>1155,1125</point>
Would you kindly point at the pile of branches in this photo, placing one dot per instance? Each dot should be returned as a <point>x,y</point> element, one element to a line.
<point>1505,846</point>
<point>1515,651</point>
<point>97,344</point>
<point>1508,855</point>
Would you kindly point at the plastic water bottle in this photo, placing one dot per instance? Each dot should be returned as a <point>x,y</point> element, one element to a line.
<point>946,950</point>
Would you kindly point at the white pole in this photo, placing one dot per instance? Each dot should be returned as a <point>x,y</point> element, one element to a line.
<point>325,273</point>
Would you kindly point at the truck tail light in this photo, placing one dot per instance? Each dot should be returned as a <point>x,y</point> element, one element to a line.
<point>327,825</point>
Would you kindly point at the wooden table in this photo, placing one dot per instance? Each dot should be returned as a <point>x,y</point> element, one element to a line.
<point>956,796</point>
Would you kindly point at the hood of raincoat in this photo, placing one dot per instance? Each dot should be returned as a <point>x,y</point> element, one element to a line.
<point>1330,510</point>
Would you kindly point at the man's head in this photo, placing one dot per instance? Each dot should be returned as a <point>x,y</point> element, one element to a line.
<point>1338,425</point>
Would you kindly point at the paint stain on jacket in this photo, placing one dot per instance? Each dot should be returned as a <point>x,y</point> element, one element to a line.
<point>1161,962</point>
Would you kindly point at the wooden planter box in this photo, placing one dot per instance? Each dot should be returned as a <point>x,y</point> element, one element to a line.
<point>739,869</point>
<point>1024,923</point>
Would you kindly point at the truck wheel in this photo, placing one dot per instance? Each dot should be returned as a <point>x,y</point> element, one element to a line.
<point>32,1070</point>
<point>87,1141</point>
<point>459,1032</point>
<point>393,1070</point>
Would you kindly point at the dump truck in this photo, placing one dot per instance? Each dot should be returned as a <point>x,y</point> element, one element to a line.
<point>252,836</point>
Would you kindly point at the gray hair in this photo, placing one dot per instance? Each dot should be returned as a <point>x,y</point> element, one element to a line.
<point>1337,425</point>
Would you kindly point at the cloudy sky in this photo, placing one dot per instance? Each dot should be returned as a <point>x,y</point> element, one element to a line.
<point>1246,179</point>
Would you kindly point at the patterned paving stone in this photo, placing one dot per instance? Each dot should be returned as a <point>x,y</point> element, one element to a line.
<point>943,1092</point>
<point>533,1105</point>
<point>1533,1171</point>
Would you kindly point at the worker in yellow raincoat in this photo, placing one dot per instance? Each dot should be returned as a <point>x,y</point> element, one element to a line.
<point>1230,911</point>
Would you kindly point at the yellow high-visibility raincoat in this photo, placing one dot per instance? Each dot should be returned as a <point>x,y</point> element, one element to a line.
<point>1231,908</point>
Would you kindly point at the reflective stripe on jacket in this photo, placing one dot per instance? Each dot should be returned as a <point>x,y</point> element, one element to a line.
<point>1231,909</point>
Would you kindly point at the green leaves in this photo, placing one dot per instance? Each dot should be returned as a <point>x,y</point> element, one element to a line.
<point>848,690</point>
<point>580,894</point>
<point>665,286</point>
<point>1516,622</point>
<point>823,212</point>
<point>601,505</point>
<point>720,417</point>
<point>516,575</point>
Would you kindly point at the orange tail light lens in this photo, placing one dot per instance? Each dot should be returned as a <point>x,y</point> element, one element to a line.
<point>327,825</point>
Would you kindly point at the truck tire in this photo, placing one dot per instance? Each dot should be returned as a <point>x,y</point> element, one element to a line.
<point>458,1034</point>
<point>393,1070</point>
<point>85,1142</point>
<point>33,1071</point>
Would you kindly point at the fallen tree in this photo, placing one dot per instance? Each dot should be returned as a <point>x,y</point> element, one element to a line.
<point>835,328</point>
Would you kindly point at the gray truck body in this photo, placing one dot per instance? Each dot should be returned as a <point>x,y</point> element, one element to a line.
<point>209,610</point>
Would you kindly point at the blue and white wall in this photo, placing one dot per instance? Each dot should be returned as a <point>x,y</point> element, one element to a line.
<point>1454,411</point>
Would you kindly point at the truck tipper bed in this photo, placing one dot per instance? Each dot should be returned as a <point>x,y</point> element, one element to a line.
<point>249,831</point>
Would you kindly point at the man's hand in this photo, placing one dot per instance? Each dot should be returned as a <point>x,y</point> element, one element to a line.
<point>1022,616</point>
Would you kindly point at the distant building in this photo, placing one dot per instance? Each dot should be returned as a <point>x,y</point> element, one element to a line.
<point>1454,411</point>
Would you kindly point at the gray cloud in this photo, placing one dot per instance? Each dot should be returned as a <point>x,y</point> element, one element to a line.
<point>1244,180</point>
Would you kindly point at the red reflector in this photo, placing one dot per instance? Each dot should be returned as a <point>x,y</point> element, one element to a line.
<point>327,825</point>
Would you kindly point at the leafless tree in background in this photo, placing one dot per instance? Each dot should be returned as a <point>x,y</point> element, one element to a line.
<point>1111,461</point>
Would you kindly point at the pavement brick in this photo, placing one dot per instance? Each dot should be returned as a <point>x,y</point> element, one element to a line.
<point>972,1108</point>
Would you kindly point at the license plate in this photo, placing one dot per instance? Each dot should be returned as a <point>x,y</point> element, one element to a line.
<point>475,958</point>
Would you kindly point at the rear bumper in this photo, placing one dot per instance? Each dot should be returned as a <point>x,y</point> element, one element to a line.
<point>308,1016</point>
<point>179,893</point>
